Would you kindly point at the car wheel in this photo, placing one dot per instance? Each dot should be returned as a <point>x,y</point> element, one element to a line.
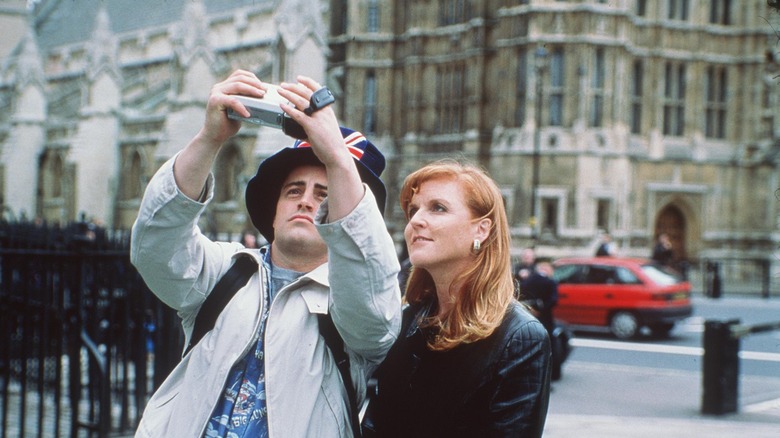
<point>624,325</point>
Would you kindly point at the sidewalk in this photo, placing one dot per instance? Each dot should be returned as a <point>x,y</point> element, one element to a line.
<point>600,400</point>
<point>569,425</point>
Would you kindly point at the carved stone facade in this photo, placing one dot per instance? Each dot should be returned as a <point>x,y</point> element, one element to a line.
<point>96,95</point>
<point>643,116</point>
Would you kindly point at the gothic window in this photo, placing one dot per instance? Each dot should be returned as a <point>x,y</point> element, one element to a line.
<point>521,95</point>
<point>53,172</point>
<point>338,21</point>
<point>716,95</point>
<point>450,95</point>
<point>556,90</point>
<point>597,90</point>
<point>677,10</point>
<point>373,16</point>
<point>549,219</point>
<point>452,12</point>
<point>637,78</point>
<point>674,99</point>
<point>369,104</point>
<point>720,12</point>
<point>51,193</point>
<point>226,173</point>
<point>603,212</point>
<point>133,175</point>
<point>641,8</point>
<point>769,96</point>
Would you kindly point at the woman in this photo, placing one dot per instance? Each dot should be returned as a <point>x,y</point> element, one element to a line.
<point>470,360</point>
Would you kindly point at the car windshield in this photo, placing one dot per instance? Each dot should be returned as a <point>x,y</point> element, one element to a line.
<point>661,277</point>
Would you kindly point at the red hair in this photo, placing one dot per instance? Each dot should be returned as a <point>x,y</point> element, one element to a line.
<point>487,288</point>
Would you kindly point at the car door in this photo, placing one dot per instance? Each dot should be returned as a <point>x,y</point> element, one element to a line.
<point>578,300</point>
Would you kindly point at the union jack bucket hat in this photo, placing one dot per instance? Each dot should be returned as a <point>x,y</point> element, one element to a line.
<point>262,191</point>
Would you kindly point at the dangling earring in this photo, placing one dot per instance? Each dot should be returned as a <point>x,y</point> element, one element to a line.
<point>475,246</point>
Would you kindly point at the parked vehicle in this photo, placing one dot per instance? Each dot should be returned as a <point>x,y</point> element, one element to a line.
<point>621,294</point>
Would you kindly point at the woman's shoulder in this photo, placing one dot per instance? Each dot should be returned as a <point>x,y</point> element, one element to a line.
<point>519,322</point>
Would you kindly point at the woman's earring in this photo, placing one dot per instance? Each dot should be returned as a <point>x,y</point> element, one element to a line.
<point>475,247</point>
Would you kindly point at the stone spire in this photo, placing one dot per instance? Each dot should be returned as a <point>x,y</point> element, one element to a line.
<point>27,62</point>
<point>298,20</point>
<point>102,47</point>
<point>191,35</point>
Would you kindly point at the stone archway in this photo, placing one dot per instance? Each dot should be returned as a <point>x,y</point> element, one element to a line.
<point>671,220</point>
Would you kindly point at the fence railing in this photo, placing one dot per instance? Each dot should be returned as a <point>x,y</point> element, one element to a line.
<point>736,276</point>
<point>80,333</point>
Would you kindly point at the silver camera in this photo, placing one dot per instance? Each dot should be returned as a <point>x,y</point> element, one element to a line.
<point>266,112</point>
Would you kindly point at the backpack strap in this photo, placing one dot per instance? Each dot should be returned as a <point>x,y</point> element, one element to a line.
<point>234,279</point>
<point>336,344</point>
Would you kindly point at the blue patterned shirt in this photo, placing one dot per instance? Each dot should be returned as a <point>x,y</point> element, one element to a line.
<point>241,410</point>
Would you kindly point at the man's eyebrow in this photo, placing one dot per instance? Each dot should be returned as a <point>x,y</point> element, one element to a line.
<point>293,183</point>
<point>303,184</point>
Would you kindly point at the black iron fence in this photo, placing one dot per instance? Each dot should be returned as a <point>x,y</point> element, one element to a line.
<point>84,342</point>
<point>737,276</point>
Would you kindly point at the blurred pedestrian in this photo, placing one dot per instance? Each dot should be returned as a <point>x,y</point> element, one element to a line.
<point>406,269</point>
<point>249,239</point>
<point>662,250</point>
<point>526,265</point>
<point>606,247</point>
<point>539,291</point>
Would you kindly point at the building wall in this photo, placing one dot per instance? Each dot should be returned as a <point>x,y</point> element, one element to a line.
<point>100,94</point>
<point>632,175</point>
<point>91,111</point>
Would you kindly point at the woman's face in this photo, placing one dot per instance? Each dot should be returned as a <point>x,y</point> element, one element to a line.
<point>441,228</point>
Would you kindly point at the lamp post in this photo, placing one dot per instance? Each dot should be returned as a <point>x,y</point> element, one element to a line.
<point>540,63</point>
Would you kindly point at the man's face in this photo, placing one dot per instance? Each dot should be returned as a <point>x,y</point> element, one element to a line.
<point>302,192</point>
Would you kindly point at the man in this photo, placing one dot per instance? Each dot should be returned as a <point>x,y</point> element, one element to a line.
<point>607,247</point>
<point>540,292</point>
<point>662,251</point>
<point>264,370</point>
<point>527,264</point>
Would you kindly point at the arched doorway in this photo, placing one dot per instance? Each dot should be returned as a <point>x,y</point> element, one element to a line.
<point>671,221</point>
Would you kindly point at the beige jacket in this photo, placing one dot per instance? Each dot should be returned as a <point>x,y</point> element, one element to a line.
<point>304,392</point>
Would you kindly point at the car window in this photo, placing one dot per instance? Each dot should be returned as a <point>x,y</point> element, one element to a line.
<point>659,276</point>
<point>625,276</point>
<point>601,275</point>
<point>569,274</point>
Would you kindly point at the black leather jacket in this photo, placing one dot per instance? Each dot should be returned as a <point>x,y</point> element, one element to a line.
<point>496,387</point>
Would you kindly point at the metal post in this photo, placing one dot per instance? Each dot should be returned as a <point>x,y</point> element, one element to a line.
<point>720,369</point>
<point>540,60</point>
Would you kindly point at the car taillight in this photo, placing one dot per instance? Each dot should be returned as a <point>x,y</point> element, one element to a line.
<point>674,296</point>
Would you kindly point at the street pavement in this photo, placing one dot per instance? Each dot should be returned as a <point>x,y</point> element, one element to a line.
<point>665,404</point>
<point>611,400</point>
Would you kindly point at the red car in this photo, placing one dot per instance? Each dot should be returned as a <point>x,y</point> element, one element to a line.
<point>620,293</point>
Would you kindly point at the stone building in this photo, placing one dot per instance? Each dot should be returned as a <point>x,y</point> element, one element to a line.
<point>629,116</point>
<point>97,94</point>
<point>632,116</point>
